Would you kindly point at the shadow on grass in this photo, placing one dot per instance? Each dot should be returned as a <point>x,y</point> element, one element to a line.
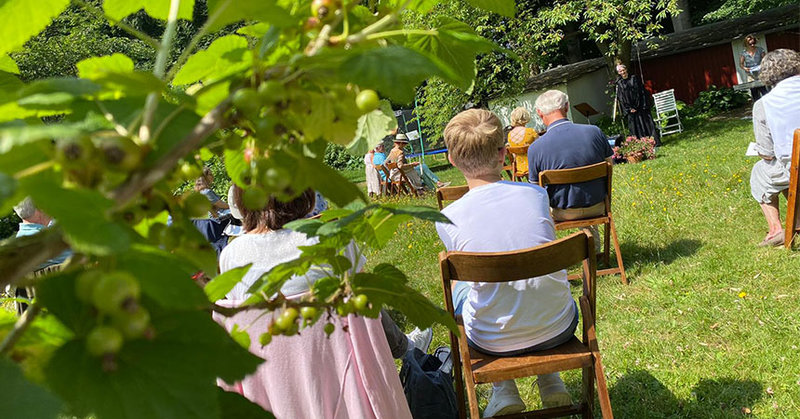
<point>636,256</point>
<point>639,394</point>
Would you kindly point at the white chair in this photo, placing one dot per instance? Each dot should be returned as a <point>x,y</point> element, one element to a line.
<point>666,110</point>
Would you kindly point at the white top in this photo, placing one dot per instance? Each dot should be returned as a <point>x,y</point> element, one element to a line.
<point>782,108</point>
<point>268,250</point>
<point>508,316</point>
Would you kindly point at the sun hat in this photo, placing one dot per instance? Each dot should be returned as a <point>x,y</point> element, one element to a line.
<point>401,138</point>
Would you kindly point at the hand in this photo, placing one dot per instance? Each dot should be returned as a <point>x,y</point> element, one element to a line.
<point>416,163</point>
<point>633,110</point>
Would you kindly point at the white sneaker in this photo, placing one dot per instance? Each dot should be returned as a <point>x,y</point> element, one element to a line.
<point>443,354</point>
<point>420,339</point>
<point>505,400</point>
<point>552,391</point>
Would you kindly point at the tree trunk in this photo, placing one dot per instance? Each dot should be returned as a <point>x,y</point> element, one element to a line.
<point>683,20</point>
<point>573,42</point>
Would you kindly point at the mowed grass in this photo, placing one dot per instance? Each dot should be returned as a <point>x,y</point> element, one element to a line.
<point>709,326</point>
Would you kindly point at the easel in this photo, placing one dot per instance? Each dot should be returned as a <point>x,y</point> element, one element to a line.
<point>793,207</point>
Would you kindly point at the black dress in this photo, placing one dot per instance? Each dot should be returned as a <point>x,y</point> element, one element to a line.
<point>631,95</point>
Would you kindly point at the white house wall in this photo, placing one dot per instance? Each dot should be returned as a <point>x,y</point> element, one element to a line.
<point>525,100</point>
<point>590,88</point>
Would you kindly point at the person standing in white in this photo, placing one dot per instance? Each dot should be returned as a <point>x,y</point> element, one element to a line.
<point>504,319</point>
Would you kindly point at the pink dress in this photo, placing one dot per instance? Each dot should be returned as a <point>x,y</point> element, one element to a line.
<point>351,374</point>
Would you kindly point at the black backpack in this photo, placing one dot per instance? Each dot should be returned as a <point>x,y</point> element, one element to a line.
<point>428,390</point>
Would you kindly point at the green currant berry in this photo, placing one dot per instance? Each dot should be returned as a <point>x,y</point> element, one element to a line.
<point>171,237</point>
<point>85,284</point>
<point>265,339</point>
<point>247,101</point>
<point>132,324</point>
<point>285,322</point>
<point>121,153</point>
<point>329,328</point>
<point>308,312</point>
<point>367,101</point>
<point>271,91</point>
<point>104,340</point>
<point>196,205</point>
<point>190,171</point>
<point>345,308</point>
<point>114,291</point>
<point>360,302</point>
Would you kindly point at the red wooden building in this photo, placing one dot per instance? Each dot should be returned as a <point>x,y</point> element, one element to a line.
<point>693,60</point>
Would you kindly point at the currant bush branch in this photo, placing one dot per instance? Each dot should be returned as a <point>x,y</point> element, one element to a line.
<point>19,329</point>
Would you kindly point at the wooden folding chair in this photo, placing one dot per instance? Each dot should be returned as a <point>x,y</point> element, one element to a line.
<point>508,165</point>
<point>386,182</point>
<point>479,368</point>
<point>515,151</point>
<point>450,193</point>
<point>584,174</point>
<point>403,185</point>
<point>794,189</point>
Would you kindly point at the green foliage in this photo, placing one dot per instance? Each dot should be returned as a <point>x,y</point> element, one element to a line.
<point>339,158</point>
<point>718,10</point>
<point>132,119</point>
<point>9,225</point>
<point>716,100</point>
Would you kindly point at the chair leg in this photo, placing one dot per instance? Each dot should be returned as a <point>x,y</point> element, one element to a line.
<point>617,251</point>
<point>602,388</point>
<point>459,381</point>
<point>588,393</point>
<point>606,243</point>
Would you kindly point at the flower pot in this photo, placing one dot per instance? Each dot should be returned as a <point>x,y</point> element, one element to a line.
<point>634,158</point>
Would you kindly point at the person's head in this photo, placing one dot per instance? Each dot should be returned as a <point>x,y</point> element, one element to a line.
<point>779,65</point>
<point>205,180</point>
<point>276,213</point>
<point>27,211</point>
<point>552,105</point>
<point>622,70</point>
<point>520,117</point>
<point>750,40</point>
<point>379,148</point>
<point>400,140</point>
<point>475,143</point>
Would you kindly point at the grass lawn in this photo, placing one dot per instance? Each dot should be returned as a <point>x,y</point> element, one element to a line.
<point>709,326</point>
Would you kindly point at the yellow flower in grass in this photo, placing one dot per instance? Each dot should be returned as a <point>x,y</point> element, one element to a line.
<point>742,294</point>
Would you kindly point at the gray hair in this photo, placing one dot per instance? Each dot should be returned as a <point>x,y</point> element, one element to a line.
<point>778,65</point>
<point>550,101</point>
<point>520,117</point>
<point>25,209</point>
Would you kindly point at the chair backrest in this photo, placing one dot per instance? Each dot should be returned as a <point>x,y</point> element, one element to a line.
<point>522,264</point>
<point>665,101</point>
<point>519,150</point>
<point>450,193</point>
<point>578,175</point>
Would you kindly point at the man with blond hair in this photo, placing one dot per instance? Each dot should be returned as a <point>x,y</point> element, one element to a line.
<point>566,145</point>
<point>512,318</point>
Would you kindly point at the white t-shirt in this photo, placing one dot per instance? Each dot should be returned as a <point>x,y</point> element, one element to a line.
<point>508,316</point>
<point>268,250</point>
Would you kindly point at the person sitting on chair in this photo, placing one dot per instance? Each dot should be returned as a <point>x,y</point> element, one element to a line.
<point>520,135</point>
<point>512,318</point>
<point>566,145</point>
<point>419,179</point>
<point>775,117</point>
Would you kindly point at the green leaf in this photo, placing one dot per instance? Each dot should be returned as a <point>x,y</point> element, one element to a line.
<point>372,128</point>
<point>86,226</point>
<point>172,375</point>
<point>502,7</point>
<point>236,166</point>
<point>8,187</point>
<point>57,293</point>
<point>419,6</point>
<point>224,283</point>
<point>235,406</point>
<point>386,285</point>
<point>423,213</point>
<point>335,188</point>
<point>22,19</point>
<point>453,46</point>
<point>165,278</point>
<point>384,225</point>
<point>159,9</point>
<point>94,67</point>
<point>240,336</point>
<point>225,56</point>
<point>224,12</point>
<point>394,71</point>
<point>8,64</point>
<point>22,399</point>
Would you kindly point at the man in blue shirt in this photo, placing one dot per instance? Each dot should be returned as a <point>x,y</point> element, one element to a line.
<point>33,221</point>
<point>566,145</point>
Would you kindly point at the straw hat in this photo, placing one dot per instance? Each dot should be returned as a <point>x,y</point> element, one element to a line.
<point>401,138</point>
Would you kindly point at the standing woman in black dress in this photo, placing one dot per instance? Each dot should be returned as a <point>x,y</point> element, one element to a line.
<point>635,104</point>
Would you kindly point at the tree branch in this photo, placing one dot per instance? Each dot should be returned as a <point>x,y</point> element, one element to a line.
<point>140,181</point>
<point>21,256</point>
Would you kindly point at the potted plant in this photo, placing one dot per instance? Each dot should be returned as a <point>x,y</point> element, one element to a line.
<point>635,149</point>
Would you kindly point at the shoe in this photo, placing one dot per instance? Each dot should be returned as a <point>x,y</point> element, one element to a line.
<point>443,184</point>
<point>420,339</point>
<point>552,391</point>
<point>775,240</point>
<point>443,354</point>
<point>505,400</point>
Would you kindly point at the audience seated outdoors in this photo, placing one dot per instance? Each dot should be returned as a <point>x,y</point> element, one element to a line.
<point>347,375</point>
<point>419,179</point>
<point>521,136</point>
<point>371,174</point>
<point>567,145</point>
<point>775,117</point>
<point>504,319</point>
